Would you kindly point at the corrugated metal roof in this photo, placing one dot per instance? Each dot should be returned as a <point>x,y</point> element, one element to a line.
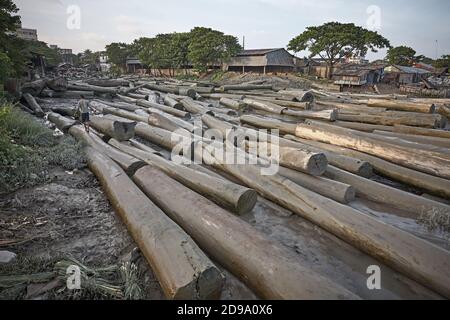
<point>257,52</point>
<point>411,69</point>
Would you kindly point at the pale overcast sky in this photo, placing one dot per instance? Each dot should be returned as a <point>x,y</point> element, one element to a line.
<point>264,23</point>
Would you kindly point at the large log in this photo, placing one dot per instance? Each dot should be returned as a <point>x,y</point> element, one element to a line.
<point>300,95</point>
<point>62,123</point>
<point>172,111</point>
<point>399,249</point>
<point>34,88</point>
<point>362,126</point>
<point>300,159</point>
<point>351,164</point>
<point>390,119</point>
<point>114,129</point>
<point>245,87</point>
<point>422,160</point>
<point>432,184</point>
<point>232,104</point>
<point>193,107</point>
<point>181,268</point>
<point>421,131</point>
<point>328,115</point>
<point>402,105</point>
<point>267,123</point>
<point>121,105</point>
<point>232,196</point>
<point>88,87</point>
<point>126,99</point>
<point>381,193</point>
<point>218,96</point>
<point>264,105</point>
<point>271,270</point>
<point>338,191</point>
<point>288,104</point>
<point>108,82</point>
<point>126,114</point>
<point>57,84</point>
<point>31,101</point>
<point>433,141</point>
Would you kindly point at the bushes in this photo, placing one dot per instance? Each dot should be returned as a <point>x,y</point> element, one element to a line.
<point>28,149</point>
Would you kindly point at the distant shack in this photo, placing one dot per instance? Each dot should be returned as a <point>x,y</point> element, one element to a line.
<point>261,61</point>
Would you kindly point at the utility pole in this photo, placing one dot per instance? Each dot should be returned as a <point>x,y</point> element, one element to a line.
<point>243,42</point>
<point>437,50</point>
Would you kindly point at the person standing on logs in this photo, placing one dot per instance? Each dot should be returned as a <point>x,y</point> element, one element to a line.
<point>83,111</point>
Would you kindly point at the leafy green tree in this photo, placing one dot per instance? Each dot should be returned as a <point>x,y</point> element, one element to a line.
<point>10,54</point>
<point>402,55</point>
<point>442,62</point>
<point>118,53</point>
<point>208,46</point>
<point>5,67</point>
<point>333,40</point>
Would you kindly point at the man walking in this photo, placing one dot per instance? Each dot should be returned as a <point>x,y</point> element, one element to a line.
<point>83,110</point>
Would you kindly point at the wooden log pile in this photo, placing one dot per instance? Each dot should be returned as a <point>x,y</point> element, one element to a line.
<point>333,152</point>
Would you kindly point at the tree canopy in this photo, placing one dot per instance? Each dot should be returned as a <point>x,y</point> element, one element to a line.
<point>333,41</point>
<point>402,55</point>
<point>117,53</point>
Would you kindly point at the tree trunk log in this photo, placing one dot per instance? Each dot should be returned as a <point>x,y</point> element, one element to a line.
<point>181,268</point>
<point>115,129</point>
<point>31,101</point>
<point>236,245</point>
<point>172,111</point>
<point>402,105</point>
<point>421,160</point>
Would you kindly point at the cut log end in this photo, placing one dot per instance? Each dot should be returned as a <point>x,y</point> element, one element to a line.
<point>124,130</point>
<point>365,170</point>
<point>317,164</point>
<point>246,202</point>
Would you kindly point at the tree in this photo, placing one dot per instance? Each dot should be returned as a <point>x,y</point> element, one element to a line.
<point>118,53</point>
<point>333,40</point>
<point>442,62</point>
<point>208,46</point>
<point>11,60</point>
<point>402,55</point>
<point>5,67</point>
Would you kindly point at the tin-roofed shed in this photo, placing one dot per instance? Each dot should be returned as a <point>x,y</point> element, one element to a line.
<point>261,61</point>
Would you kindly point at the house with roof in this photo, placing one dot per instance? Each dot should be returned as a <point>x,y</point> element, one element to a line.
<point>405,75</point>
<point>358,74</point>
<point>261,61</point>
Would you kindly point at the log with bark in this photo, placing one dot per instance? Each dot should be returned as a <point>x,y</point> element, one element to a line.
<point>88,87</point>
<point>168,101</point>
<point>69,94</point>
<point>57,84</point>
<point>421,131</point>
<point>193,107</point>
<point>393,118</point>
<point>267,123</point>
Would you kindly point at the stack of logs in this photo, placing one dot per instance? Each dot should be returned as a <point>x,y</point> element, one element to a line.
<point>329,148</point>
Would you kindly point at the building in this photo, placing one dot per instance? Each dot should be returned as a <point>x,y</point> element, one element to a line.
<point>66,54</point>
<point>405,75</point>
<point>27,34</point>
<point>134,65</point>
<point>261,61</point>
<point>358,74</point>
<point>103,60</point>
<point>356,60</point>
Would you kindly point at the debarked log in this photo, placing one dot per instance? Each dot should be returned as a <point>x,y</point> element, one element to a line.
<point>381,193</point>
<point>172,111</point>
<point>421,160</point>
<point>62,123</point>
<point>271,270</point>
<point>180,266</point>
<point>31,101</point>
<point>401,250</point>
<point>435,185</point>
<point>232,196</point>
<point>264,105</point>
<point>115,129</point>
<point>402,105</point>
